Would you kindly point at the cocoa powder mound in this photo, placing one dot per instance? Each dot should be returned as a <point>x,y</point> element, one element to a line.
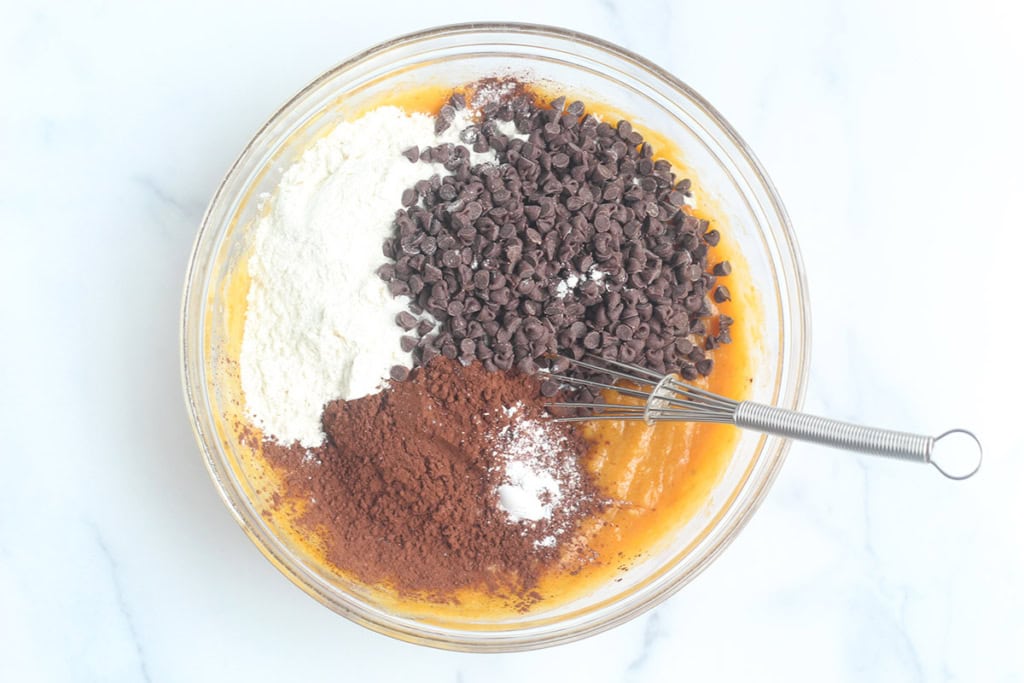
<point>404,490</point>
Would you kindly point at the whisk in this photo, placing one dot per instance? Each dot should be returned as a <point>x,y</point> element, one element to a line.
<point>668,398</point>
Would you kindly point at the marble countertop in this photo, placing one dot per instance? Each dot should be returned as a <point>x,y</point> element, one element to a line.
<point>893,131</point>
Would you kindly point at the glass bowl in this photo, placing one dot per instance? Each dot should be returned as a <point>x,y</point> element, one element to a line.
<point>727,175</point>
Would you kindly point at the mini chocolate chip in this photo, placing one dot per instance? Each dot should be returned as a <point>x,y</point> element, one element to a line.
<point>560,364</point>
<point>485,248</point>
<point>527,366</point>
<point>399,373</point>
<point>451,258</point>
<point>548,388</point>
<point>406,320</point>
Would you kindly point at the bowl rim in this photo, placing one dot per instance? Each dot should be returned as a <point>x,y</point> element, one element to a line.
<point>521,640</point>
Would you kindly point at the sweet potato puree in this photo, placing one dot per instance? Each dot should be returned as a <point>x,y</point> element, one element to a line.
<point>660,476</point>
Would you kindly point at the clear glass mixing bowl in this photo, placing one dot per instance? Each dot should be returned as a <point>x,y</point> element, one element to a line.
<point>727,173</point>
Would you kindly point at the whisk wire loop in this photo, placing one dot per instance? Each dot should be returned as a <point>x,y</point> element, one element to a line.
<point>672,399</point>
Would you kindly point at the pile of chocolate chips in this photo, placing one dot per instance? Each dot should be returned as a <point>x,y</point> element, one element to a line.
<point>574,244</point>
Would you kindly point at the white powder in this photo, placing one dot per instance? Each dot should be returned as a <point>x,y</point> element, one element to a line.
<point>536,477</point>
<point>546,542</point>
<point>567,285</point>
<point>528,493</point>
<point>508,129</point>
<point>573,280</point>
<point>320,324</point>
<point>493,93</point>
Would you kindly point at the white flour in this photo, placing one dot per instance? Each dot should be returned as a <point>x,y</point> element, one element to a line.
<point>320,324</point>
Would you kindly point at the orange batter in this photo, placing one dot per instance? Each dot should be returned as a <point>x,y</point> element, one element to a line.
<point>659,476</point>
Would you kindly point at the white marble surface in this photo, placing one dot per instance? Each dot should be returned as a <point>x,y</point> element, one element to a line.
<point>893,131</point>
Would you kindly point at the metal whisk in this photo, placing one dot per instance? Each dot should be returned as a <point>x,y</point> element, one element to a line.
<point>671,399</point>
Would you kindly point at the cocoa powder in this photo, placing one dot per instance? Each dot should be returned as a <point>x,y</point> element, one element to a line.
<point>404,490</point>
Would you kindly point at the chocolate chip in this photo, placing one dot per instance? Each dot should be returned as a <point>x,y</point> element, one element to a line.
<point>406,320</point>
<point>457,101</point>
<point>548,388</point>
<point>527,366</point>
<point>451,258</point>
<point>399,373</point>
<point>488,249</point>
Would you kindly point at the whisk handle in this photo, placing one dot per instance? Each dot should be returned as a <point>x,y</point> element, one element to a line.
<point>834,433</point>
<point>902,445</point>
<point>853,437</point>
